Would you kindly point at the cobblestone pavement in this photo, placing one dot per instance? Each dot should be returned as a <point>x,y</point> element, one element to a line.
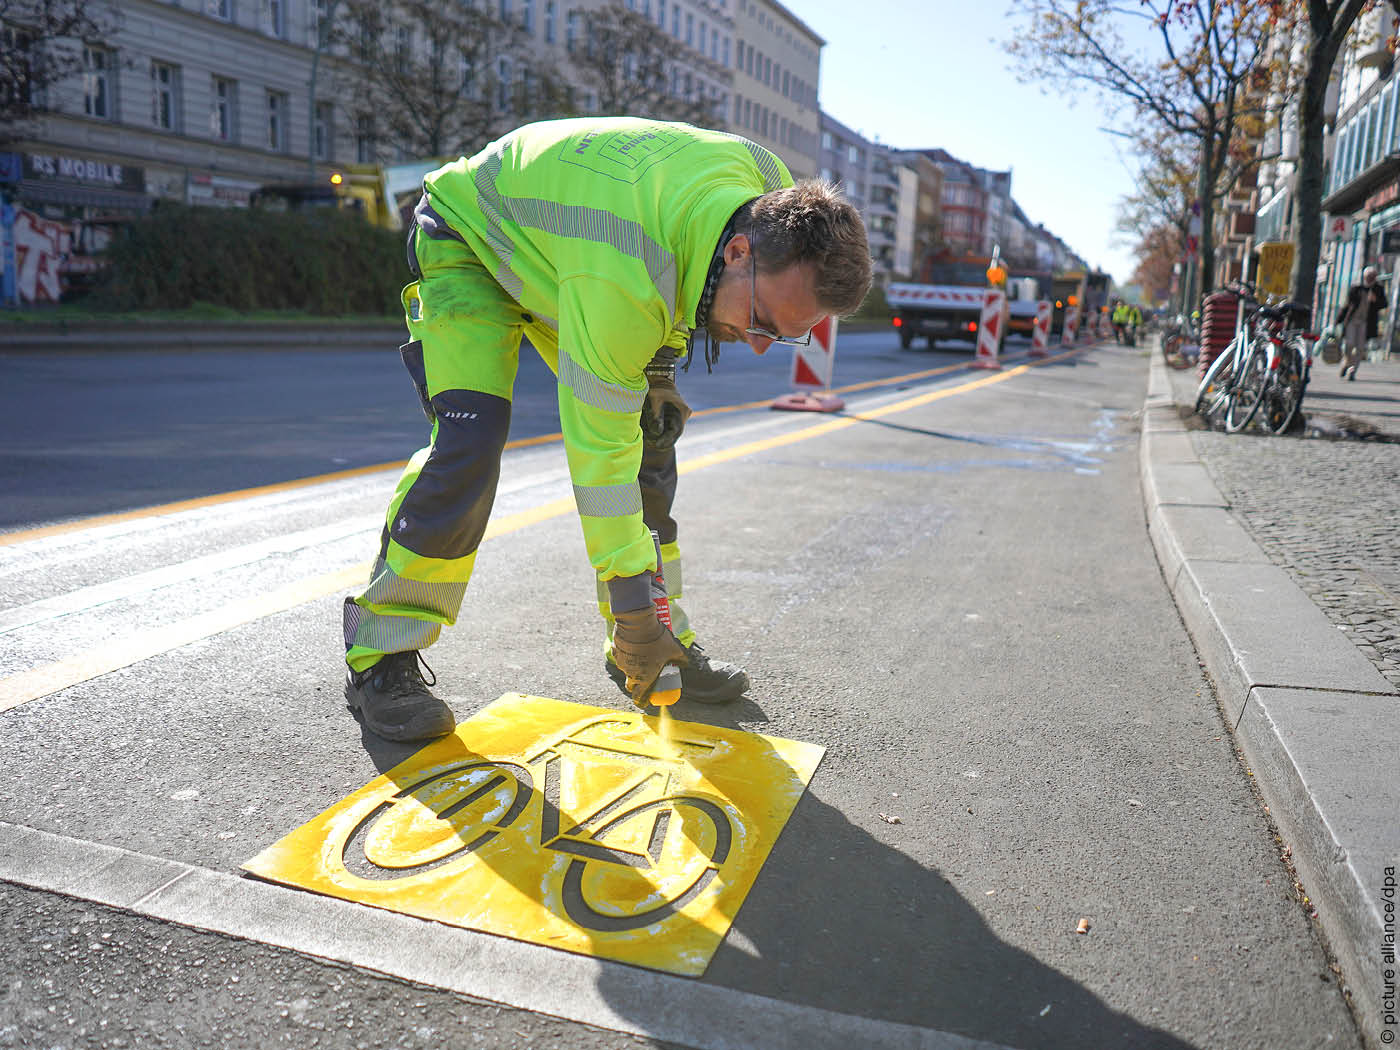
<point>1326,511</point>
<point>1329,513</point>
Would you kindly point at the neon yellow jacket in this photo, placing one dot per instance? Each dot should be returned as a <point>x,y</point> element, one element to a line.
<point>603,228</point>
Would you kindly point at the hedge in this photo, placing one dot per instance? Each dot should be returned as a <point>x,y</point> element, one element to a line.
<point>321,261</point>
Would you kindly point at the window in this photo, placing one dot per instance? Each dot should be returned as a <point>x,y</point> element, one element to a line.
<point>468,74</point>
<point>738,109</point>
<point>403,47</point>
<point>550,13</point>
<point>320,10</point>
<point>323,131</point>
<point>853,154</point>
<point>223,110</point>
<point>503,82</point>
<point>165,96</point>
<point>571,30</point>
<point>826,140</point>
<point>277,111</point>
<point>689,28</point>
<point>505,10</point>
<point>661,14</point>
<point>748,113</point>
<point>220,9</point>
<point>785,85</point>
<point>365,148</point>
<point>676,19</point>
<point>726,51</point>
<point>527,15</point>
<point>275,17</point>
<point>97,83</point>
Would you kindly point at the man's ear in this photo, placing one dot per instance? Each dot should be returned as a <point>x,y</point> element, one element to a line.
<point>737,249</point>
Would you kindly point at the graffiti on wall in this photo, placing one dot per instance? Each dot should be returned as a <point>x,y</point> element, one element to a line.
<point>41,249</point>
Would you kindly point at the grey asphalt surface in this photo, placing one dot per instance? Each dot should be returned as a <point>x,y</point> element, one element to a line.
<point>84,427</point>
<point>957,599</point>
<point>1281,553</point>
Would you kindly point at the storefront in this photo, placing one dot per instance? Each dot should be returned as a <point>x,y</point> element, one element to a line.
<point>74,186</point>
<point>59,211</point>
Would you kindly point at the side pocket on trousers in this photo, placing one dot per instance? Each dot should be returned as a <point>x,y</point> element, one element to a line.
<point>412,354</point>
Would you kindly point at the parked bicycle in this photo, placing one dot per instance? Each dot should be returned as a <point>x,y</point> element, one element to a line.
<point>1265,367</point>
<point>1180,342</point>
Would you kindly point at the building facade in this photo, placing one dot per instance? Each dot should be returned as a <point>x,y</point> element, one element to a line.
<point>777,64</point>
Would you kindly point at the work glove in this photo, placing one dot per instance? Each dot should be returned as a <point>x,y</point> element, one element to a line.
<point>664,411</point>
<point>642,648</point>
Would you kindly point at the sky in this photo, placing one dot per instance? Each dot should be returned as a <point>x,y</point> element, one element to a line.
<point>923,73</point>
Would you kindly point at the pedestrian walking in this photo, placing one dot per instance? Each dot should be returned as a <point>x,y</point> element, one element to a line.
<point>609,243</point>
<point>1359,319</point>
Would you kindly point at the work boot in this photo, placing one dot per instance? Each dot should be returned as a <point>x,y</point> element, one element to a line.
<point>392,699</point>
<point>703,680</point>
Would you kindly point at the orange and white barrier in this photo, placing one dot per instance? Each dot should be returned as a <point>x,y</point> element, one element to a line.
<point>812,366</point>
<point>990,331</point>
<point>1040,331</point>
<point>1070,331</point>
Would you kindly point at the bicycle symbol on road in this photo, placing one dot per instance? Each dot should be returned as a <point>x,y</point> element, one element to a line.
<point>563,825</point>
<point>453,812</point>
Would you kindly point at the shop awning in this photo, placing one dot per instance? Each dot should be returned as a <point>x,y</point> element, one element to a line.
<point>81,196</point>
<point>1353,195</point>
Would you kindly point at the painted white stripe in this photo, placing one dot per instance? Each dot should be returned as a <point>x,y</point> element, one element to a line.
<point>526,976</point>
<point>86,598</point>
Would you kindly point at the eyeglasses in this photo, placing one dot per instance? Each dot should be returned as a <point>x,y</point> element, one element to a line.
<point>754,327</point>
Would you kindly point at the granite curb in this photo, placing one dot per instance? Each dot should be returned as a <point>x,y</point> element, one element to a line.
<point>1315,720</point>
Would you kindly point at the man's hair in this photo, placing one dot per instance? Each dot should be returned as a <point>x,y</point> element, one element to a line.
<point>813,224</point>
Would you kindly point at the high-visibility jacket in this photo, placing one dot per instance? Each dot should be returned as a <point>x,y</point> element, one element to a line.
<point>603,230</point>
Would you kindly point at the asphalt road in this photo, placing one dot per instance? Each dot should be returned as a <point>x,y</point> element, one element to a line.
<point>84,434</point>
<point>950,589</point>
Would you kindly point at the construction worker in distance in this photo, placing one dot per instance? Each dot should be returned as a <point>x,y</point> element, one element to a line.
<point>1132,321</point>
<point>610,243</point>
<point>1120,318</point>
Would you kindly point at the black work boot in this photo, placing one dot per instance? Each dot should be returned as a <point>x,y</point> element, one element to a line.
<point>392,699</point>
<point>703,680</point>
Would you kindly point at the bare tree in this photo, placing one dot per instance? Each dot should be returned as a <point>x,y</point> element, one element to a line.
<point>434,79</point>
<point>1200,77</point>
<point>629,65</point>
<point>41,45</point>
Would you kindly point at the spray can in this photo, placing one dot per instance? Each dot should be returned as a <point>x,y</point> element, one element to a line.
<point>667,689</point>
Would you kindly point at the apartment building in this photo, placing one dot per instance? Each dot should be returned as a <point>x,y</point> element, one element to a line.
<point>777,63</point>
<point>204,101</point>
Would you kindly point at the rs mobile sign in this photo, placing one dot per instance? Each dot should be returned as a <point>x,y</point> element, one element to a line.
<point>1337,227</point>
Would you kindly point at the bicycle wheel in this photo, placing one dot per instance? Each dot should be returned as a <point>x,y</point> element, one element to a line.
<point>1285,393</point>
<point>1248,392</point>
<point>611,892</point>
<point>1215,382</point>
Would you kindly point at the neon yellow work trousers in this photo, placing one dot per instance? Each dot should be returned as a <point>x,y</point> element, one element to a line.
<point>463,360</point>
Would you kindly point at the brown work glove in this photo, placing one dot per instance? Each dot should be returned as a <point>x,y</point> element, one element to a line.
<point>664,411</point>
<point>642,647</point>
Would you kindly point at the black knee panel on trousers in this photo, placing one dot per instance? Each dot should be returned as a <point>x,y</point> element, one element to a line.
<point>445,512</point>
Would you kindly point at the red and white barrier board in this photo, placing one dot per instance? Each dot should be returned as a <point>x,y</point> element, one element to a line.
<point>1070,331</point>
<point>812,366</point>
<point>990,331</point>
<point>1040,333</point>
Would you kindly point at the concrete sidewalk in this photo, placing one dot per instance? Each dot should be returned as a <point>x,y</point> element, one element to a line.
<point>1279,553</point>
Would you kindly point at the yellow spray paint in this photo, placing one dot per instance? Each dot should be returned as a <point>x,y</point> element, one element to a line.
<point>577,827</point>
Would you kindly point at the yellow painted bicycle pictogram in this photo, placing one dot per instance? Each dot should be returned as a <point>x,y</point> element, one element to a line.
<point>640,849</point>
<point>565,825</point>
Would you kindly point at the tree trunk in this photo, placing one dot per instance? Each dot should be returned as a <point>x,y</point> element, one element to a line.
<point>1203,280</point>
<point>1309,184</point>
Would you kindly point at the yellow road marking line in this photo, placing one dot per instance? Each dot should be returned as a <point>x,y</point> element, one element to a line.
<point>96,521</point>
<point>49,678</point>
